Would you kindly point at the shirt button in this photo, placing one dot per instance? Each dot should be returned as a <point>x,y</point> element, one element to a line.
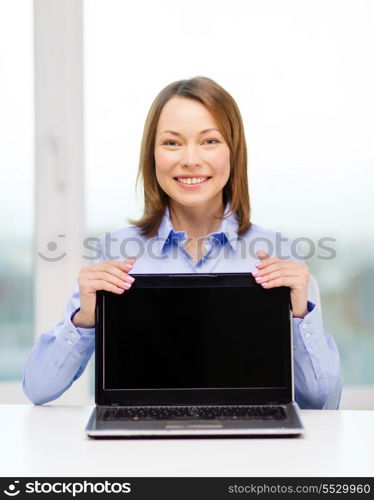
<point>305,325</point>
<point>69,342</point>
<point>307,335</point>
<point>73,335</point>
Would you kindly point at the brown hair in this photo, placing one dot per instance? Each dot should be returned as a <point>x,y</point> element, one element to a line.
<point>227,115</point>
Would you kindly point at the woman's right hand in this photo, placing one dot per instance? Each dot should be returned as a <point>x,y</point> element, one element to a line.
<point>110,275</point>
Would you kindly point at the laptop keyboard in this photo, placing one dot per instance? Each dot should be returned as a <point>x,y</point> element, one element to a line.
<point>196,413</point>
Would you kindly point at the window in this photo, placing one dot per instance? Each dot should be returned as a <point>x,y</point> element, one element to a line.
<point>300,75</point>
<point>16,180</point>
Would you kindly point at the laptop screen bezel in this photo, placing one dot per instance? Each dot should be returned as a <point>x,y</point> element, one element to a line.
<point>201,396</point>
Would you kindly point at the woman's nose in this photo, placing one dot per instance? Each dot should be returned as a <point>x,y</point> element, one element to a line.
<point>191,157</point>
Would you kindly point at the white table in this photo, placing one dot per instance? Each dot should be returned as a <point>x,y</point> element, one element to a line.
<point>50,441</point>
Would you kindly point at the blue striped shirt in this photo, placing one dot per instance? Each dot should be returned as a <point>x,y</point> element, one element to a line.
<point>61,354</point>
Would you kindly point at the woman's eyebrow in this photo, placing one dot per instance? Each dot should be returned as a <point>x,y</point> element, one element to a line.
<point>178,134</point>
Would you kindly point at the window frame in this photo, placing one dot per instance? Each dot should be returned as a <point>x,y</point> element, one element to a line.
<point>59,163</point>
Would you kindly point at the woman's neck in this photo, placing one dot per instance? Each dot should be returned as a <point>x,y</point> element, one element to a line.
<point>197,222</point>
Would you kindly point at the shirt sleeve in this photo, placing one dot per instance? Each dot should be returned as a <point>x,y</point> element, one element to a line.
<point>318,381</point>
<point>59,356</point>
<point>317,375</point>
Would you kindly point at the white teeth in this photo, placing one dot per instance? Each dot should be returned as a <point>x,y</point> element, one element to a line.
<point>192,180</point>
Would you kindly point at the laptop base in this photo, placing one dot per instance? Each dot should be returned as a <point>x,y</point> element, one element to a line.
<point>179,428</point>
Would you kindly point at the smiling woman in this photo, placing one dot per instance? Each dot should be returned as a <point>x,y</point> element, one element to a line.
<point>197,162</point>
<point>193,130</point>
<point>193,164</point>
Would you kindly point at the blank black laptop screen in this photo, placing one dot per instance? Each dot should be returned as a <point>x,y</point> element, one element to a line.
<point>165,338</point>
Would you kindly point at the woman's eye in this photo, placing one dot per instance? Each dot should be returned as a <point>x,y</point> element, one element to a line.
<point>173,143</point>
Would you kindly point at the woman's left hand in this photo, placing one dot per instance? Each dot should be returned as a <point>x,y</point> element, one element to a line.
<point>273,272</point>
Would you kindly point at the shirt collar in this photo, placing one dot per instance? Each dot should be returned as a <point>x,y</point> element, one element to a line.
<point>226,233</point>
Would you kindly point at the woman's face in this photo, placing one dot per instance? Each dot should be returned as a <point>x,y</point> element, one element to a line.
<point>192,158</point>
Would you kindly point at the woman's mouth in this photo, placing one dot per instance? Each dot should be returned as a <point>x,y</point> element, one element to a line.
<point>191,181</point>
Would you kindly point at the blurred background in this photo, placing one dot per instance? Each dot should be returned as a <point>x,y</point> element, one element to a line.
<point>77,80</point>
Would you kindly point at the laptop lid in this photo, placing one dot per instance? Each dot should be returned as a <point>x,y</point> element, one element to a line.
<point>193,339</point>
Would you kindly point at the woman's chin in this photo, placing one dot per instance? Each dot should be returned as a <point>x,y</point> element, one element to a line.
<point>196,200</point>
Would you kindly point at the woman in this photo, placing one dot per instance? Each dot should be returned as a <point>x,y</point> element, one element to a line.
<point>193,164</point>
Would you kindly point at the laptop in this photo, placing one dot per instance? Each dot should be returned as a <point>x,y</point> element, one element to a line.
<point>194,355</point>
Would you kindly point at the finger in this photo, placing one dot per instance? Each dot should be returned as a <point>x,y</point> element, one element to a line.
<point>267,262</point>
<point>284,281</point>
<point>121,263</point>
<point>270,268</point>
<point>126,264</point>
<point>110,268</point>
<point>121,273</point>
<point>288,268</point>
<point>261,254</point>
<point>276,274</point>
<point>110,278</point>
<point>104,285</point>
<point>129,260</point>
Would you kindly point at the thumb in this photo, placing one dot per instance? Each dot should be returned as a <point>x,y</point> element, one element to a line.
<point>130,260</point>
<point>262,254</point>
